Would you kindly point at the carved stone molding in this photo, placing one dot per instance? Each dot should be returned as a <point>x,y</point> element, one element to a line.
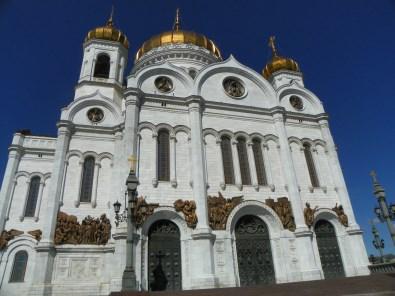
<point>219,209</point>
<point>308,213</point>
<point>91,231</point>
<point>341,216</point>
<point>142,211</point>
<point>36,234</point>
<point>188,208</point>
<point>283,209</point>
<point>6,236</point>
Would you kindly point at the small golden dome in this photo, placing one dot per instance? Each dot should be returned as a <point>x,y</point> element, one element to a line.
<point>108,32</point>
<point>178,36</point>
<point>278,63</point>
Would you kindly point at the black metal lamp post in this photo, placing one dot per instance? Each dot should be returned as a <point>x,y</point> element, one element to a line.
<point>384,212</point>
<point>378,243</point>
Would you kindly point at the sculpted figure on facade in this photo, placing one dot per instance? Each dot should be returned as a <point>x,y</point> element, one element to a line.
<point>219,209</point>
<point>6,236</point>
<point>283,209</point>
<point>36,234</point>
<point>188,208</point>
<point>90,231</point>
<point>343,219</point>
<point>143,210</point>
<point>309,214</point>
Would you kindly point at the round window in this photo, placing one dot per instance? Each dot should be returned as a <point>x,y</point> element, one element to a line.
<point>296,102</point>
<point>163,84</point>
<point>233,87</point>
<point>95,115</point>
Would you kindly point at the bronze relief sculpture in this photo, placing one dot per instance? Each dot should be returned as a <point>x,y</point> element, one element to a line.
<point>6,236</point>
<point>91,231</point>
<point>283,209</point>
<point>219,209</point>
<point>308,213</point>
<point>341,216</point>
<point>36,234</point>
<point>188,208</point>
<point>142,211</point>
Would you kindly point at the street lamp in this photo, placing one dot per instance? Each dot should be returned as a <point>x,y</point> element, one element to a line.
<point>384,212</point>
<point>378,243</point>
<point>129,275</point>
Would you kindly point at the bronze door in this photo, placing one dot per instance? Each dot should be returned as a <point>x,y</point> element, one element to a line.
<point>328,248</point>
<point>164,257</point>
<point>254,254</point>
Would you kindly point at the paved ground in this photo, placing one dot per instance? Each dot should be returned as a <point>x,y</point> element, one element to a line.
<point>373,285</point>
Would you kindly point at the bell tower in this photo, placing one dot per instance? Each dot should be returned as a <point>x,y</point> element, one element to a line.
<point>104,60</point>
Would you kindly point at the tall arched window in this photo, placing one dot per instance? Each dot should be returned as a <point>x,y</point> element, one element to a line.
<point>19,267</point>
<point>243,160</point>
<point>102,66</point>
<point>310,165</point>
<point>227,160</point>
<point>87,179</point>
<point>32,196</point>
<point>259,163</point>
<point>163,156</point>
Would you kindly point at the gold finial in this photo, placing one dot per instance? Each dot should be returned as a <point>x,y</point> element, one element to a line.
<point>132,161</point>
<point>177,22</point>
<point>374,176</point>
<point>110,21</point>
<point>272,45</point>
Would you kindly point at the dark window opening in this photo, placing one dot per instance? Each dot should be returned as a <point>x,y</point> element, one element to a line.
<point>163,156</point>
<point>102,66</point>
<point>227,160</point>
<point>259,163</point>
<point>243,160</point>
<point>19,267</point>
<point>32,196</point>
<point>310,165</point>
<point>87,179</point>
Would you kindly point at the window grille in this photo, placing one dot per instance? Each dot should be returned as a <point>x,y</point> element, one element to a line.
<point>259,162</point>
<point>32,196</point>
<point>310,165</point>
<point>102,66</point>
<point>19,267</point>
<point>227,160</point>
<point>243,160</point>
<point>87,179</point>
<point>163,156</point>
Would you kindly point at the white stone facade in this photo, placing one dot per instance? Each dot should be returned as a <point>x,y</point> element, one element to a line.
<point>196,112</point>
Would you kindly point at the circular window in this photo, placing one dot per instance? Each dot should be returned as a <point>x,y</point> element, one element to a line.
<point>163,84</point>
<point>233,87</point>
<point>95,115</point>
<point>296,102</point>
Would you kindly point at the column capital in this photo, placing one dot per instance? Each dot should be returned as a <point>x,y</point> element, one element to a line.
<point>65,127</point>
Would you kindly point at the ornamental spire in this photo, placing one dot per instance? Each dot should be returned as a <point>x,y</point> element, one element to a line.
<point>272,45</point>
<point>177,22</point>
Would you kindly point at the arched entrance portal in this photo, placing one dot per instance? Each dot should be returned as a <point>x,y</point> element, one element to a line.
<point>164,256</point>
<point>254,254</point>
<point>328,248</point>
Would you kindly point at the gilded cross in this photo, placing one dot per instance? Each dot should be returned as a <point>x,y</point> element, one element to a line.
<point>374,176</point>
<point>177,21</point>
<point>272,45</point>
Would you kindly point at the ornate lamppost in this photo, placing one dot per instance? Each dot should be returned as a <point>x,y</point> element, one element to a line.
<point>129,275</point>
<point>384,212</point>
<point>378,243</point>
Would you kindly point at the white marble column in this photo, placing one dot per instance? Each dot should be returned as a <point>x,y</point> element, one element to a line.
<point>201,256</point>
<point>308,265</point>
<point>66,166</point>
<point>155,162</point>
<point>14,156</point>
<point>14,184</point>
<point>338,178</point>
<point>173,161</point>
<point>252,166</point>
<point>236,165</point>
<point>222,183</point>
<point>96,173</point>
<point>268,166</point>
<point>45,255</point>
<point>39,200</point>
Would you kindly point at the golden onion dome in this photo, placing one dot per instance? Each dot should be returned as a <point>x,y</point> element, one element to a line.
<point>178,36</point>
<point>108,32</point>
<point>278,63</point>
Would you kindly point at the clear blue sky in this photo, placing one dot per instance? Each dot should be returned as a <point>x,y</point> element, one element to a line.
<point>345,50</point>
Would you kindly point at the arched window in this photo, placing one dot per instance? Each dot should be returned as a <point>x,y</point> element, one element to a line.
<point>163,156</point>
<point>259,163</point>
<point>227,160</point>
<point>32,196</point>
<point>87,179</point>
<point>310,165</point>
<point>102,66</point>
<point>19,267</point>
<point>243,160</point>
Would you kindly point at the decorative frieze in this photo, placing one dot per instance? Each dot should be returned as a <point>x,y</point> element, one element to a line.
<point>341,216</point>
<point>308,213</point>
<point>142,211</point>
<point>219,209</point>
<point>283,209</point>
<point>91,231</point>
<point>6,236</point>
<point>188,208</point>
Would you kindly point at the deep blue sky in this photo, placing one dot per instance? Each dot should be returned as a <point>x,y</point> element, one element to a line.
<point>345,50</point>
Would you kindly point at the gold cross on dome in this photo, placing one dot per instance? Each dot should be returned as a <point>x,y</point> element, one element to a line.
<point>272,45</point>
<point>374,176</point>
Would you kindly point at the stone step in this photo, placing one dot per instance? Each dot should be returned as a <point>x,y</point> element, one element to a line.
<point>376,284</point>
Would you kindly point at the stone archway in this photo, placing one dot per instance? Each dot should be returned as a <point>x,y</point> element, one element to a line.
<point>328,248</point>
<point>164,257</point>
<point>254,254</point>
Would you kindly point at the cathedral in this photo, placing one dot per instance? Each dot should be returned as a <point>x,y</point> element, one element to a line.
<point>190,172</point>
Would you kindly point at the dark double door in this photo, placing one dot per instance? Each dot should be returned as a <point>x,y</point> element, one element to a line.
<point>331,261</point>
<point>164,257</point>
<point>254,254</point>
